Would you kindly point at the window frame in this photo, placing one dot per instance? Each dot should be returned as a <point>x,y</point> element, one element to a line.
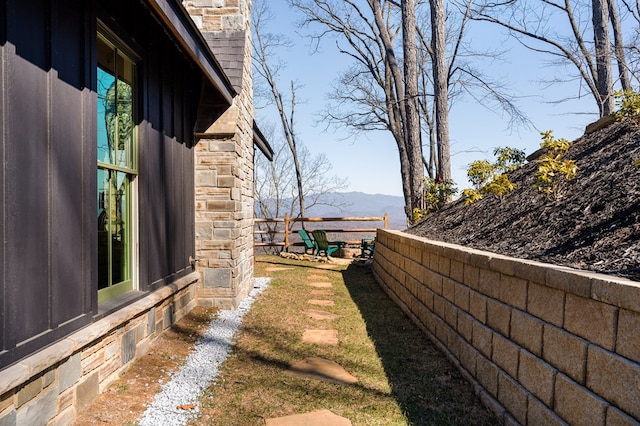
<point>130,169</point>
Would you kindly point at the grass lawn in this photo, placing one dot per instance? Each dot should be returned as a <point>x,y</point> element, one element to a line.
<point>402,378</point>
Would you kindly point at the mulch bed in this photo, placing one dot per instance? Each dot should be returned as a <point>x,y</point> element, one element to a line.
<point>592,222</point>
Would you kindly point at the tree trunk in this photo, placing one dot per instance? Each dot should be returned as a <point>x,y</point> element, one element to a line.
<point>412,132</point>
<point>623,69</point>
<point>395,127</point>
<point>261,54</point>
<point>291,138</point>
<point>604,84</point>
<point>394,93</point>
<point>441,90</point>
<point>392,67</point>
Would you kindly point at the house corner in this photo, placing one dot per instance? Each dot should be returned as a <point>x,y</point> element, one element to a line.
<point>224,162</point>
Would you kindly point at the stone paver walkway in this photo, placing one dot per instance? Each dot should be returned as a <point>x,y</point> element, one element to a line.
<point>321,315</point>
<point>277,268</point>
<point>319,284</point>
<point>315,418</point>
<point>316,368</point>
<point>321,337</point>
<point>314,277</point>
<point>321,302</point>
<point>321,293</point>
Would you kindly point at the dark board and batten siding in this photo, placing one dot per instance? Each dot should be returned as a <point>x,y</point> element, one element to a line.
<point>46,215</point>
<point>48,204</point>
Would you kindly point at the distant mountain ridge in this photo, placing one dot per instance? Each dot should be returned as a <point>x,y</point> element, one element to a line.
<point>360,204</point>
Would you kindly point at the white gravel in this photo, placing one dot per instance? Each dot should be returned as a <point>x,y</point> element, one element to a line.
<point>201,367</point>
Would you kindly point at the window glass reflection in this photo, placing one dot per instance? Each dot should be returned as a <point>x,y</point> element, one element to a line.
<point>116,167</point>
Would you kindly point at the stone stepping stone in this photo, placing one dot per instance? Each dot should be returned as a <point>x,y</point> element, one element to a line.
<point>321,315</point>
<point>314,418</point>
<point>321,293</point>
<point>321,337</point>
<point>326,266</point>
<point>276,269</point>
<point>320,302</point>
<point>317,277</point>
<point>320,284</point>
<point>317,368</point>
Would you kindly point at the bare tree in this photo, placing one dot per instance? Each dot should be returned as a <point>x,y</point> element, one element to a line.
<point>295,180</point>
<point>263,47</point>
<point>367,31</point>
<point>413,139</point>
<point>630,9</point>
<point>375,94</point>
<point>440,88</point>
<point>602,42</point>
<point>273,181</point>
<point>539,25</point>
<point>276,190</point>
<point>619,48</point>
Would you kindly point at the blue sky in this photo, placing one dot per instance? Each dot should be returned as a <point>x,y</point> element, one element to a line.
<point>370,162</point>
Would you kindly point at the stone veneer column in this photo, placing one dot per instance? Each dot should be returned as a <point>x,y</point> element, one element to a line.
<point>224,161</point>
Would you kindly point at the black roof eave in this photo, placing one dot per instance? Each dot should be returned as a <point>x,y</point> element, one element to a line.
<point>181,26</point>
<point>261,142</point>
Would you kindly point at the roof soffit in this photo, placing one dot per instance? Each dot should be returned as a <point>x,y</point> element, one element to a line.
<point>181,26</point>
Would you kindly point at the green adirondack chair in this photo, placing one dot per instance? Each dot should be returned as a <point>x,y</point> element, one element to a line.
<point>367,247</point>
<point>324,245</point>
<point>309,244</point>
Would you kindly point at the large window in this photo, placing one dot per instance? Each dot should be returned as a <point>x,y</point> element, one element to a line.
<point>117,168</point>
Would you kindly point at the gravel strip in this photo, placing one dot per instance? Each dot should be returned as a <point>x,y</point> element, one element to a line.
<point>201,367</point>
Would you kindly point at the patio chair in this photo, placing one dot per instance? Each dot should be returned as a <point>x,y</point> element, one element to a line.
<point>309,244</point>
<point>366,247</point>
<point>324,245</point>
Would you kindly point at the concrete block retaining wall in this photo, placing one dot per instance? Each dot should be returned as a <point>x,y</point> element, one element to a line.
<point>53,385</point>
<point>542,344</point>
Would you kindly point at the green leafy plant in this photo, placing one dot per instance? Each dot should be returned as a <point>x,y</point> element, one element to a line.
<point>551,167</point>
<point>509,159</point>
<point>492,178</point>
<point>436,195</point>
<point>500,186</point>
<point>471,195</point>
<point>418,214</point>
<point>480,172</point>
<point>627,104</point>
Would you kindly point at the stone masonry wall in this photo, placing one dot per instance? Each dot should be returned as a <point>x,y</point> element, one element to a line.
<point>53,385</point>
<point>543,345</point>
<point>224,162</point>
<point>219,15</point>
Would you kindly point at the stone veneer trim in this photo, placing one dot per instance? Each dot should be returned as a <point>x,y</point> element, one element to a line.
<point>35,364</point>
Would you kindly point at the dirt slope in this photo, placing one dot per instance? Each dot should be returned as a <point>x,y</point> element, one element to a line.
<point>593,224</point>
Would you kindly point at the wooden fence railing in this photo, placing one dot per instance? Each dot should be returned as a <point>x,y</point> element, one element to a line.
<point>286,226</point>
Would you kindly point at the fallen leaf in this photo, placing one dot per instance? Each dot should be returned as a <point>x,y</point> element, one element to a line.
<point>186,407</point>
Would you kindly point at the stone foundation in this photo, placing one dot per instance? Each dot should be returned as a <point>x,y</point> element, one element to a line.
<point>51,386</point>
<point>542,344</point>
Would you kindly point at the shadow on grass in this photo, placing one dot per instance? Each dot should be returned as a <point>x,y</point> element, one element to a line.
<point>285,367</point>
<point>428,388</point>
